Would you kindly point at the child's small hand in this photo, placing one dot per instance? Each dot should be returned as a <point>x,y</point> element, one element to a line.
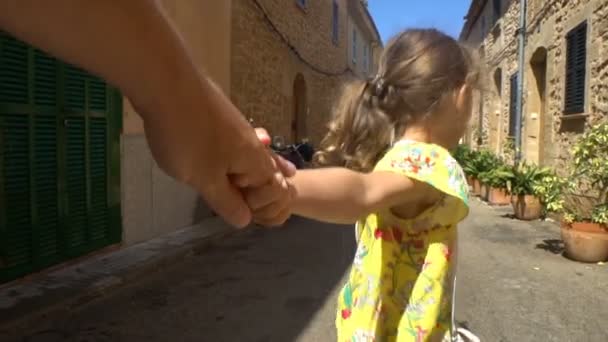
<point>270,204</point>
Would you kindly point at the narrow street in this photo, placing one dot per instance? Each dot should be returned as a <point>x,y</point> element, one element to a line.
<point>280,285</point>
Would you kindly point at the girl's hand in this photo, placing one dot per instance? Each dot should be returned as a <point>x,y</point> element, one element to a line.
<point>271,203</point>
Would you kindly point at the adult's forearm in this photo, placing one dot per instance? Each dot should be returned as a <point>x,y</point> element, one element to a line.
<point>130,43</point>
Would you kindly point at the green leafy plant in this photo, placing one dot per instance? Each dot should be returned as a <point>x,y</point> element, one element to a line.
<point>525,178</point>
<point>590,177</point>
<point>481,162</point>
<point>463,154</point>
<point>550,190</point>
<point>498,177</point>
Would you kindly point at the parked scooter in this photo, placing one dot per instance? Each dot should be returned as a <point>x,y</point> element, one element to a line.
<point>293,153</point>
<point>299,154</point>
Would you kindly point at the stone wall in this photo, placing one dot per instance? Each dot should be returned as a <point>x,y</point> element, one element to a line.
<point>547,134</point>
<point>264,67</point>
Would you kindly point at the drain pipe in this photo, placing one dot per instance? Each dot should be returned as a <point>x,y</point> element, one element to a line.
<point>520,80</point>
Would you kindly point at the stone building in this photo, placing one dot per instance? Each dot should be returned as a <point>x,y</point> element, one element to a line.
<point>290,58</point>
<point>565,73</point>
<point>76,174</point>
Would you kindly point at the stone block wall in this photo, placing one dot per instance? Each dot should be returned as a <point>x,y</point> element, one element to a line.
<point>548,134</point>
<point>264,67</point>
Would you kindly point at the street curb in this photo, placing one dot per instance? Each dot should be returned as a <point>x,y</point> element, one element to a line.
<point>35,310</point>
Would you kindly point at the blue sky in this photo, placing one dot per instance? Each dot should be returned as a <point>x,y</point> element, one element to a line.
<point>391,16</point>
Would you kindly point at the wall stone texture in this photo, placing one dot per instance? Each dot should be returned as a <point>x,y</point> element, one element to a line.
<point>547,134</point>
<point>264,68</point>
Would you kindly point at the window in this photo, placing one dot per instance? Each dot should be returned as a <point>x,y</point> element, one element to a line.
<point>576,59</point>
<point>498,81</point>
<point>335,32</point>
<point>496,9</point>
<point>365,58</point>
<point>354,52</point>
<point>512,107</point>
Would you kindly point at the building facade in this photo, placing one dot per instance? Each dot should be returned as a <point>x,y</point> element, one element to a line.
<point>565,73</point>
<point>290,58</point>
<point>76,173</point>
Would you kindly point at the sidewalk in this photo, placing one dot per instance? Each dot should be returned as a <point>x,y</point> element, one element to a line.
<point>51,294</point>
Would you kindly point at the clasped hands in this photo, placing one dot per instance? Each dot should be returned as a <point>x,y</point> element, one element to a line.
<point>270,203</point>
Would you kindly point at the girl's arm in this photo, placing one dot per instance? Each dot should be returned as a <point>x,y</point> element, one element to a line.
<point>339,195</point>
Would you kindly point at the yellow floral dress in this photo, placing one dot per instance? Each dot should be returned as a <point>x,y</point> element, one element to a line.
<point>400,285</point>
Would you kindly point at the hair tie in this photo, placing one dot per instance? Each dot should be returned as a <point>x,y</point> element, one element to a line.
<point>379,86</point>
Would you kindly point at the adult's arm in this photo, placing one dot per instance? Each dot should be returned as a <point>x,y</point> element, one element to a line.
<point>195,133</point>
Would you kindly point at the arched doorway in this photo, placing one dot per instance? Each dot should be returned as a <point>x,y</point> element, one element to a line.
<point>538,139</point>
<point>300,109</point>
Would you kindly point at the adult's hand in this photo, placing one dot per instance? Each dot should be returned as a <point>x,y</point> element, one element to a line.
<point>217,153</point>
<point>196,135</point>
<point>272,203</point>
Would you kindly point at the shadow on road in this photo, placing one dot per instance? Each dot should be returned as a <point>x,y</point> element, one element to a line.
<point>552,245</point>
<point>257,285</point>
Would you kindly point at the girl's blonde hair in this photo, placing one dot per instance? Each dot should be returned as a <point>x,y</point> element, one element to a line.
<point>416,70</point>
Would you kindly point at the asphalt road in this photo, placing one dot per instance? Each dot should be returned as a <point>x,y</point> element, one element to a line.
<point>280,285</point>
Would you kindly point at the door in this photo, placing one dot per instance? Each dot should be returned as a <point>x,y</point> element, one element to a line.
<point>300,109</point>
<point>59,156</point>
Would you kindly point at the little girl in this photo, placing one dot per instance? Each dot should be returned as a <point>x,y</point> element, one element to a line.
<point>400,185</point>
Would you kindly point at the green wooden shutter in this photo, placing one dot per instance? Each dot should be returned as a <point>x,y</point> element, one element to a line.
<point>13,71</point>
<point>98,212</point>
<point>44,160</point>
<point>59,161</point>
<point>512,105</point>
<point>98,161</point>
<point>576,59</point>
<point>76,185</point>
<point>16,228</point>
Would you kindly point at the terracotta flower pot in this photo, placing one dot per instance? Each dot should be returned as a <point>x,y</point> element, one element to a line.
<point>499,196</point>
<point>585,241</point>
<point>470,180</point>
<point>526,207</point>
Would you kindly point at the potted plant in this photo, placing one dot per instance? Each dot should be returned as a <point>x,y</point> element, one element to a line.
<point>584,227</point>
<point>479,164</point>
<point>471,170</point>
<point>491,173</point>
<point>550,190</point>
<point>496,181</point>
<point>522,183</point>
<point>464,155</point>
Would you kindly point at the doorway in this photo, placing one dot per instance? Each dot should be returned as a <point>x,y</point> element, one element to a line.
<point>537,106</point>
<point>300,109</point>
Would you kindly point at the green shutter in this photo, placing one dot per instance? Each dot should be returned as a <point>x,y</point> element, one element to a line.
<point>98,95</point>
<point>17,230</point>
<point>76,184</point>
<point>59,161</point>
<point>45,79</point>
<point>512,105</point>
<point>45,184</point>
<point>98,214</point>
<point>13,71</point>
<point>576,59</point>
<point>75,88</point>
